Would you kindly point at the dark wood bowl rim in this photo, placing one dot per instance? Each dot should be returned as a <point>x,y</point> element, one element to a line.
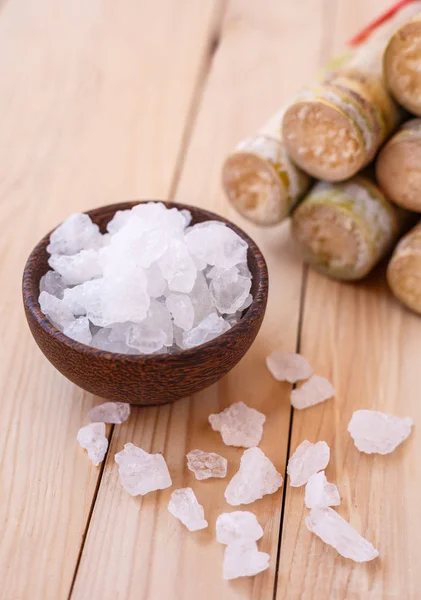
<point>252,313</point>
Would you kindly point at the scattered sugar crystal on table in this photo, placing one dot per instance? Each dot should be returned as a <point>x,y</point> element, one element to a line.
<point>243,559</point>
<point>239,425</point>
<point>141,472</point>
<point>206,464</point>
<point>332,529</point>
<point>256,477</point>
<point>307,460</point>
<point>288,366</point>
<point>313,391</point>
<point>147,273</point>
<point>378,432</point>
<point>236,526</point>
<point>92,438</point>
<point>320,493</point>
<point>184,506</point>
<point>110,412</point>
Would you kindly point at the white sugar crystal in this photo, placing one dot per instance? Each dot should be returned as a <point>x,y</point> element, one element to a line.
<point>320,493</point>
<point>181,308</point>
<point>216,245</point>
<point>201,299</point>
<point>206,464</point>
<point>56,310</point>
<point>156,284</point>
<point>243,559</point>
<point>118,221</point>
<point>141,472</point>
<point>77,268</point>
<point>256,477</point>
<point>110,412</point>
<point>149,336</point>
<point>247,302</point>
<point>92,438</point>
<point>85,299</point>
<point>288,366</point>
<point>101,341</point>
<point>178,267</point>
<point>317,389</point>
<point>124,296</point>
<point>330,527</point>
<point>79,331</point>
<point>238,525</point>
<point>229,290</point>
<point>377,432</point>
<point>307,460</point>
<point>239,425</point>
<point>52,283</point>
<point>187,216</point>
<point>75,234</point>
<point>211,327</point>
<point>184,506</point>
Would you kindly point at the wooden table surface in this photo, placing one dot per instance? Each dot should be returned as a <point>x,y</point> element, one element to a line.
<point>102,101</point>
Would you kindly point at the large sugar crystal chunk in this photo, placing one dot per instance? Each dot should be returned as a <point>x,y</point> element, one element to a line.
<point>317,389</point>
<point>141,472</point>
<point>110,412</point>
<point>330,527</point>
<point>256,477</point>
<point>239,425</point>
<point>75,234</point>
<point>124,294</point>
<point>288,366</point>
<point>101,341</point>
<point>79,331</point>
<point>78,268</point>
<point>181,309</point>
<point>307,460</point>
<point>92,438</point>
<point>178,267</point>
<point>52,283</point>
<point>56,310</point>
<point>229,290</point>
<point>377,432</point>
<point>206,464</point>
<point>216,245</point>
<point>184,506</point>
<point>238,525</point>
<point>243,559</point>
<point>320,493</point>
<point>211,327</point>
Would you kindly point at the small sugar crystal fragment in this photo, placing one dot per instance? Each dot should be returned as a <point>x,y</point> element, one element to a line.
<point>238,525</point>
<point>320,493</point>
<point>75,234</point>
<point>317,389</point>
<point>239,425</point>
<point>243,559</point>
<point>92,438</point>
<point>184,506</point>
<point>288,366</point>
<point>79,331</point>
<point>141,472</point>
<point>206,464</point>
<point>256,477</point>
<point>377,432</point>
<point>211,327</point>
<point>229,290</point>
<point>110,412</point>
<point>52,283</point>
<point>118,221</point>
<point>178,267</point>
<point>332,529</point>
<point>181,309</point>
<point>201,299</point>
<point>307,460</point>
<point>56,310</point>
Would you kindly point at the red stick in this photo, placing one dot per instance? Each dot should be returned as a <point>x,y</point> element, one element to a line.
<point>360,37</point>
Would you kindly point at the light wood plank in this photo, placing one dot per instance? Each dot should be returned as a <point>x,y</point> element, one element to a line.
<point>358,336</point>
<point>135,548</point>
<point>93,100</point>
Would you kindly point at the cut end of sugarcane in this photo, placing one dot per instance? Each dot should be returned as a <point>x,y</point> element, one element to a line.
<point>404,271</point>
<point>398,167</point>
<point>402,59</point>
<point>255,189</point>
<point>323,140</point>
<point>331,240</point>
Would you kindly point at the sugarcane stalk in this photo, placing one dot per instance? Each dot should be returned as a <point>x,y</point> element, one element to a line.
<point>398,166</point>
<point>404,270</point>
<point>402,59</point>
<point>344,229</point>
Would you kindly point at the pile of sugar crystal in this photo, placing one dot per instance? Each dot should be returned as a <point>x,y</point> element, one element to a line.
<point>152,284</point>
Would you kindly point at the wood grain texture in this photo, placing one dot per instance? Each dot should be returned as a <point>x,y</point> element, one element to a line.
<point>369,347</point>
<point>85,120</point>
<point>135,548</point>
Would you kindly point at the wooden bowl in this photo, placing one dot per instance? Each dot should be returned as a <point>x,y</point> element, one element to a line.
<point>146,379</point>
